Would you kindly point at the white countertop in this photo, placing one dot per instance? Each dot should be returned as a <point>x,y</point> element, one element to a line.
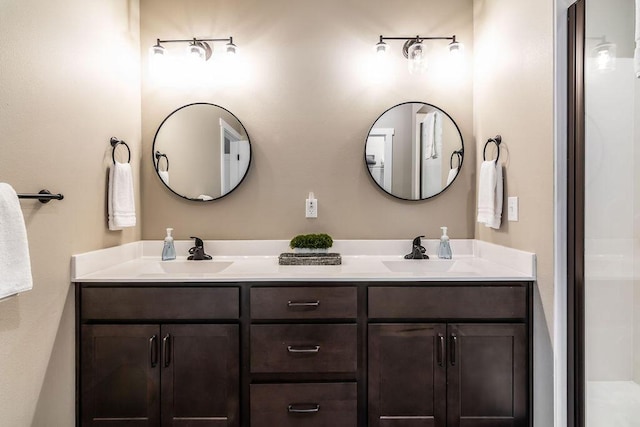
<point>362,260</point>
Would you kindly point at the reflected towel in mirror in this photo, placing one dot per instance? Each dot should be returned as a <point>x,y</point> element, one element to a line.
<point>164,176</point>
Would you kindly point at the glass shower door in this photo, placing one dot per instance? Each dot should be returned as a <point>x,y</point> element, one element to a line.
<point>612,216</point>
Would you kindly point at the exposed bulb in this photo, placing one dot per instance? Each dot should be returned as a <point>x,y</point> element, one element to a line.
<point>605,57</point>
<point>417,58</point>
<point>196,52</point>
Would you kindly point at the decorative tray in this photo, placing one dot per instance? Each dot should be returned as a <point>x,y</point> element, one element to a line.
<point>289,258</point>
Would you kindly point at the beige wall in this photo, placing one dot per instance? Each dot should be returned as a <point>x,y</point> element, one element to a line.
<point>513,97</point>
<point>69,80</point>
<point>307,103</point>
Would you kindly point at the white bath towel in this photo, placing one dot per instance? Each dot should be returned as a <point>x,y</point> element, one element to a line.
<point>431,135</point>
<point>164,176</point>
<point>636,56</point>
<point>452,175</point>
<point>15,264</point>
<point>490,190</point>
<point>121,201</point>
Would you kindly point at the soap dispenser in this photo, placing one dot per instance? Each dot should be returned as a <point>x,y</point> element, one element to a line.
<point>168,250</point>
<point>444,250</point>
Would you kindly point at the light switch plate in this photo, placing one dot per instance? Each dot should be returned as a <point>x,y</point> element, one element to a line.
<point>512,208</point>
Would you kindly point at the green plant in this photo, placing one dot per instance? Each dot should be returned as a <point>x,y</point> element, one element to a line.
<point>311,241</point>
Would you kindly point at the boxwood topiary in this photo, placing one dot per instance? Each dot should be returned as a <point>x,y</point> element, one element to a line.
<point>311,241</point>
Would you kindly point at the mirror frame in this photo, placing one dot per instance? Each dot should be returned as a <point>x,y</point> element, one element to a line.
<point>153,151</point>
<point>461,149</point>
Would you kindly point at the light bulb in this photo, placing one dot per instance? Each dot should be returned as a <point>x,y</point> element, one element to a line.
<point>417,58</point>
<point>381,48</point>
<point>605,57</point>
<point>232,49</point>
<point>196,52</point>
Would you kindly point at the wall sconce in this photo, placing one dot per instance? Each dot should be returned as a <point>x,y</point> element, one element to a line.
<point>198,49</point>
<point>605,54</point>
<point>414,50</point>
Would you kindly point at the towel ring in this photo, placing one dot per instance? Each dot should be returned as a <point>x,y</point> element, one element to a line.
<point>158,156</point>
<point>497,140</point>
<point>458,155</point>
<point>114,143</point>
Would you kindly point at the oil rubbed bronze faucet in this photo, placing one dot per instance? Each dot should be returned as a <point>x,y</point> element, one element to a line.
<point>417,251</point>
<point>197,252</point>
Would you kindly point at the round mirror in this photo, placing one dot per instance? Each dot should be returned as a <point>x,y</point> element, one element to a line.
<point>201,152</point>
<point>414,151</point>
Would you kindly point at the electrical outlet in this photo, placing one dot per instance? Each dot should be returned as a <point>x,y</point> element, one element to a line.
<point>311,207</point>
<point>512,208</point>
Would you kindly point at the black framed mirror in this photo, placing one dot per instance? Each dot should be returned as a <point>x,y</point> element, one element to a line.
<point>414,151</point>
<point>201,152</point>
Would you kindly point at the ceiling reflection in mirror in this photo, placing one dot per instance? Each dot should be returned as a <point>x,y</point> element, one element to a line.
<point>201,152</point>
<point>414,151</point>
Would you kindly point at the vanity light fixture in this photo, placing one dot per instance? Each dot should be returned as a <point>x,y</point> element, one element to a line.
<point>414,49</point>
<point>198,49</point>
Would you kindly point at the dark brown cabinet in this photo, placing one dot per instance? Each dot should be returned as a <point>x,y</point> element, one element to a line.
<point>301,354</point>
<point>448,374</point>
<point>158,374</point>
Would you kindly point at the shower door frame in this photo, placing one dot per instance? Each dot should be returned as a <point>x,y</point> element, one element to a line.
<point>576,217</point>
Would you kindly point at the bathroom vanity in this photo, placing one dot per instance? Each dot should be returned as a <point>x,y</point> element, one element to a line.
<point>257,344</point>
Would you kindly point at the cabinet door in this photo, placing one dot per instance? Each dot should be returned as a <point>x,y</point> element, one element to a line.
<point>120,375</point>
<point>407,375</point>
<point>487,375</point>
<point>200,375</point>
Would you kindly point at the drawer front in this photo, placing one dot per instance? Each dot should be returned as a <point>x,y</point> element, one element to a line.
<point>303,348</point>
<point>148,303</point>
<point>304,303</point>
<point>304,405</point>
<point>454,302</point>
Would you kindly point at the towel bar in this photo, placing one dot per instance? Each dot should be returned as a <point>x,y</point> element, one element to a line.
<point>497,140</point>
<point>44,196</point>
<point>114,143</point>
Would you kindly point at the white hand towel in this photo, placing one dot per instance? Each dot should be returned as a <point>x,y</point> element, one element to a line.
<point>121,201</point>
<point>452,175</point>
<point>164,176</point>
<point>428,136</point>
<point>487,192</point>
<point>636,56</point>
<point>496,220</point>
<point>15,264</point>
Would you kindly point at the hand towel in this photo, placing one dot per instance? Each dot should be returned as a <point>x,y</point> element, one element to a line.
<point>164,176</point>
<point>452,175</point>
<point>431,135</point>
<point>496,219</point>
<point>15,264</point>
<point>121,202</point>
<point>487,192</point>
<point>636,56</point>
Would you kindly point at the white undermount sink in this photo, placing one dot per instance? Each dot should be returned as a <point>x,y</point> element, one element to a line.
<point>420,266</point>
<point>194,267</point>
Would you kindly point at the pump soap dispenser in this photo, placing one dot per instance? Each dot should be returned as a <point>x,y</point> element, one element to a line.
<point>168,250</point>
<point>444,250</point>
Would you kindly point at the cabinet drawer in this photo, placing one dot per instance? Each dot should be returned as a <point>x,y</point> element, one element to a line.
<point>455,302</point>
<point>308,405</point>
<point>148,303</point>
<point>303,348</point>
<point>304,303</point>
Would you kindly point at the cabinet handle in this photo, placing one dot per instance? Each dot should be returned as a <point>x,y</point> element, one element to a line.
<point>303,349</point>
<point>440,349</point>
<point>153,351</point>
<point>166,350</point>
<point>303,408</point>
<point>305,304</point>
<point>454,343</point>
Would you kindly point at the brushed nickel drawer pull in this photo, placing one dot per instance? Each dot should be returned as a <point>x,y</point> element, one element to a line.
<point>303,408</point>
<point>303,349</point>
<point>305,304</point>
